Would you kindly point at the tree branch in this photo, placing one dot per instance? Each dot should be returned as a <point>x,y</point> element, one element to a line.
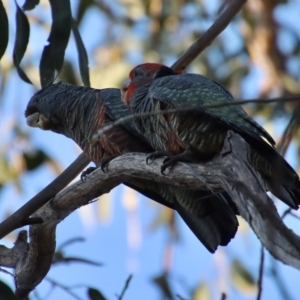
<point>229,171</point>
<point>207,38</point>
<point>21,216</point>
<point>260,273</point>
<point>10,257</point>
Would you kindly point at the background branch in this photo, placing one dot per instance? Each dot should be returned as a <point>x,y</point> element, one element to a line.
<point>207,38</point>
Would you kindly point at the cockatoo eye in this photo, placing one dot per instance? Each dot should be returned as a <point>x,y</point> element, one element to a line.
<point>137,73</point>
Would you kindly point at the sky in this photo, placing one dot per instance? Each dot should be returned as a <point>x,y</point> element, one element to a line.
<point>125,243</point>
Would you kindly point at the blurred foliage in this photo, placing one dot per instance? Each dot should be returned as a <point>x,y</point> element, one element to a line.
<point>163,284</point>
<point>202,292</point>
<point>4,29</point>
<point>242,278</point>
<point>258,49</point>
<point>94,294</point>
<point>60,256</point>
<point>6,293</point>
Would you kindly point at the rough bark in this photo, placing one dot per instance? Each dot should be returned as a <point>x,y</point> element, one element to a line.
<point>230,171</point>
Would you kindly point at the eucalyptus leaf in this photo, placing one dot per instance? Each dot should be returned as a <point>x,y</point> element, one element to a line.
<point>242,278</point>
<point>47,70</point>
<point>60,31</point>
<point>30,4</point>
<point>54,53</point>
<point>82,55</point>
<point>95,294</point>
<point>6,293</point>
<point>21,41</point>
<point>4,29</point>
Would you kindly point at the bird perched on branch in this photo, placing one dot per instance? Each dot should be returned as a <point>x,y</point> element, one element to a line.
<point>199,134</point>
<point>78,112</point>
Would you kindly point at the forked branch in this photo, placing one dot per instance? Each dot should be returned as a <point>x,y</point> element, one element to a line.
<point>229,171</point>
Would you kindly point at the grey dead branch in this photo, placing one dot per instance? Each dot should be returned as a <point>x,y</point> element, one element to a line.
<point>229,171</point>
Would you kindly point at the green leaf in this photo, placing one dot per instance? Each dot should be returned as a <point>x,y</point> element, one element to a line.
<point>35,159</point>
<point>202,292</point>
<point>60,30</point>
<point>4,29</point>
<point>47,69</point>
<point>95,294</point>
<point>162,282</point>
<point>6,293</point>
<point>7,173</point>
<point>21,42</point>
<point>68,74</point>
<point>82,56</point>
<point>30,4</point>
<point>243,279</point>
<point>53,54</point>
<point>83,7</point>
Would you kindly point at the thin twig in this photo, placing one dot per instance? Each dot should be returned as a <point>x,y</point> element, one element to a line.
<point>125,287</point>
<point>289,132</point>
<point>207,38</point>
<point>288,211</point>
<point>70,241</point>
<point>63,287</point>
<point>278,281</point>
<point>223,296</point>
<point>36,295</point>
<point>261,273</point>
<point>294,215</point>
<point>6,272</point>
<point>74,259</point>
<point>112,125</point>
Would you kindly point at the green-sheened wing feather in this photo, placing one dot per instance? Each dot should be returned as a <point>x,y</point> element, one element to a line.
<point>195,90</point>
<point>210,125</point>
